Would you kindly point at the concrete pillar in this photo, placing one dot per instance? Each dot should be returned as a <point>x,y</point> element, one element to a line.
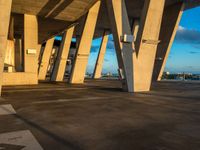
<point>5,9</point>
<point>61,60</point>
<point>171,19</point>
<point>45,59</point>
<point>81,60</point>
<point>30,44</point>
<point>135,28</point>
<point>120,26</point>
<point>100,59</point>
<point>18,55</point>
<point>39,51</point>
<point>10,56</point>
<point>11,29</point>
<point>146,44</point>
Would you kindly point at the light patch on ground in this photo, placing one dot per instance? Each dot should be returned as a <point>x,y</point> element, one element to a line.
<point>82,99</point>
<point>19,140</point>
<point>7,109</point>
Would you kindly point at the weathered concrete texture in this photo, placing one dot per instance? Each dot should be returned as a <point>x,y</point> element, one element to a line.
<point>146,44</point>
<point>100,58</point>
<point>167,35</point>
<point>45,59</point>
<point>61,60</point>
<point>81,60</point>
<point>5,10</point>
<point>99,116</point>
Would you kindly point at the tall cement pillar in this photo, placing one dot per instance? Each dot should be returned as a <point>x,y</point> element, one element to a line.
<point>5,10</point>
<point>100,59</point>
<point>30,43</point>
<point>171,19</point>
<point>81,60</point>
<point>61,60</point>
<point>45,59</point>
<point>120,26</point>
<point>146,44</point>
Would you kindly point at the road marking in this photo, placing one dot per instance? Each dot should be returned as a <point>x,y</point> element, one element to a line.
<point>39,90</point>
<point>11,147</point>
<point>69,100</point>
<point>19,140</point>
<point>7,109</point>
<point>81,99</point>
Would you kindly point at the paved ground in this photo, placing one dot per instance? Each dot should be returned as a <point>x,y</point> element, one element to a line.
<point>99,116</point>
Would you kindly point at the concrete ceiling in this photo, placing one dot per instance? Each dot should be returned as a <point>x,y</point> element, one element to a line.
<point>56,15</point>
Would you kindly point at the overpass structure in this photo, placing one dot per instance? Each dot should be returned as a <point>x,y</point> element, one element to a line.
<point>143,32</point>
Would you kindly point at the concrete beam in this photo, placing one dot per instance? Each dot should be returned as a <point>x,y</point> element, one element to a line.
<point>61,60</point>
<point>170,22</point>
<point>81,60</point>
<point>120,26</point>
<point>146,44</point>
<point>45,59</point>
<point>100,59</point>
<point>5,10</point>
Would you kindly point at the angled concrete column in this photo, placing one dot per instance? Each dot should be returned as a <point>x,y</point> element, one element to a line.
<point>120,26</point>
<point>81,60</point>
<point>5,9</point>
<point>45,59</point>
<point>100,59</point>
<point>135,28</point>
<point>39,51</point>
<point>30,44</point>
<point>11,29</point>
<point>170,22</point>
<point>61,60</point>
<point>146,44</point>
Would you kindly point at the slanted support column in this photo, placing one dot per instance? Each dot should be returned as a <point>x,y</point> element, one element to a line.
<point>135,28</point>
<point>120,26</point>
<point>171,19</point>
<point>61,60</point>
<point>146,44</point>
<point>30,44</point>
<point>100,59</point>
<point>45,59</point>
<point>81,60</point>
<point>5,9</point>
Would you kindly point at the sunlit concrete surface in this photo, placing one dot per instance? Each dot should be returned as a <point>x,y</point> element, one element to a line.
<point>6,109</point>
<point>98,115</point>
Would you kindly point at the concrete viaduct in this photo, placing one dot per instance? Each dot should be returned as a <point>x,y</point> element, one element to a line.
<point>143,32</point>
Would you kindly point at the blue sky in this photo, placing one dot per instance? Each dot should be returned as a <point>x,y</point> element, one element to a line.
<point>185,52</point>
<point>184,55</point>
